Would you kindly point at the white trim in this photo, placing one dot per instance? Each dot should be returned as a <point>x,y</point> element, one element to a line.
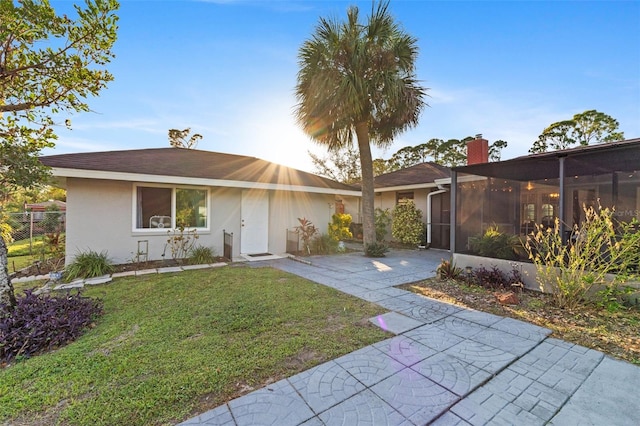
<point>406,187</point>
<point>183,180</point>
<point>163,231</point>
<point>466,178</point>
<point>429,215</point>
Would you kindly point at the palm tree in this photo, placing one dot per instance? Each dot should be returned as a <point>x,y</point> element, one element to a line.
<point>357,78</point>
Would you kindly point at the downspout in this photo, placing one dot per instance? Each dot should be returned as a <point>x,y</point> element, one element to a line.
<point>429,195</point>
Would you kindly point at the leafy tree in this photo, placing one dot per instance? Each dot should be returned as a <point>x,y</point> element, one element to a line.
<point>556,136</point>
<point>342,165</point>
<point>48,65</point>
<point>583,129</point>
<point>380,167</point>
<point>495,149</point>
<point>409,156</point>
<point>359,79</point>
<point>15,200</point>
<point>178,138</point>
<point>596,127</point>
<point>453,152</point>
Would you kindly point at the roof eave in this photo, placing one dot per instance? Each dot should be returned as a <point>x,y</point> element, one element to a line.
<point>61,172</point>
<point>425,185</point>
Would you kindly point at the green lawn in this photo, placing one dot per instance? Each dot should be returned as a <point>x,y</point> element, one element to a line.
<point>17,263</point>
<point>22,247</point>
<point>20,256</point>
<point>172,346</point>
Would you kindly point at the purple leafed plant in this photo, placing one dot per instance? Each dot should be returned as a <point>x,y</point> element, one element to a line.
<point>494,278</point>
<point>40,323</point>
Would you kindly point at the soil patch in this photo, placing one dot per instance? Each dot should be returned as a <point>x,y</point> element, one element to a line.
<point>614,333</point>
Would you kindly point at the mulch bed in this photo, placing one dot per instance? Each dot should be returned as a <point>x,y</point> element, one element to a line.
<point>614,333</point>
<point>43,268</point>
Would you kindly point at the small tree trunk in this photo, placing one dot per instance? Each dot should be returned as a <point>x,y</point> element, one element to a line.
<point>366,163</point>
<point>6,289</point>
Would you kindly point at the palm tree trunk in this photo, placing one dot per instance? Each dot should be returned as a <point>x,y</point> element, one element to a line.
<point>366,164</point>
<point>6,289</point>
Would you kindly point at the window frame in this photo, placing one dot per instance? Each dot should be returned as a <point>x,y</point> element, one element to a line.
<point>173,188</point>
<point>402,197</point>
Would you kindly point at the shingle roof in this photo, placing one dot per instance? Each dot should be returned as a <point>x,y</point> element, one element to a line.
<point>191,163</point>
<point>414,175</point>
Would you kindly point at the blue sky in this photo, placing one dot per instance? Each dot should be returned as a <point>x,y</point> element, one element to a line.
<point>227,69</point>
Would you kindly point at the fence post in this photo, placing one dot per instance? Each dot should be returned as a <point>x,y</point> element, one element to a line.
<point>30,233</point>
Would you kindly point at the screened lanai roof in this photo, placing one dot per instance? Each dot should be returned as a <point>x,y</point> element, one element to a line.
<point>593,159</point>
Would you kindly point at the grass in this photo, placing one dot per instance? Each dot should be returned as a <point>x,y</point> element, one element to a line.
<point>21,247</point>
<point>172,346</point>
<point>17,263</point>
<point>21,254</point>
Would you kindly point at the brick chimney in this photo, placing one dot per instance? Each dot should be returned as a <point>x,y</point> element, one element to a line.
<point>477,150</point>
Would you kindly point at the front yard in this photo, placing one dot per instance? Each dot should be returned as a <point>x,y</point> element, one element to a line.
<point>170,347</point>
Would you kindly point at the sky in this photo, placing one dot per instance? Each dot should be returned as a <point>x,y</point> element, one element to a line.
<point>227,69</point>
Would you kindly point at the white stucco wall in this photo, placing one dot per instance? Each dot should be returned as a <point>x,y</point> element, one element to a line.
<point>387,200</point>
<point>100,218</point>
<point>352,206</point>
<point>286,207</point>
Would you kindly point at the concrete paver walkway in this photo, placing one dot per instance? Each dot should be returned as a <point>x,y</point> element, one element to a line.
<point>445,366</point>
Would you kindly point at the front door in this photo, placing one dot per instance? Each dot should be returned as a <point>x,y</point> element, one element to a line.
<point>254,231</point>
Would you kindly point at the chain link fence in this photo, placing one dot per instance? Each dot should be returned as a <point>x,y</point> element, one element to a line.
<point>28,227</point>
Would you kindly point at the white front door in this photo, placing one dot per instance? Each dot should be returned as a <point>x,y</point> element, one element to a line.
<point>254,231</point>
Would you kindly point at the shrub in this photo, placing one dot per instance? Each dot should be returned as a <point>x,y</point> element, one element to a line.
<point>448,270</point>
<point>494,277</point>
<point>339,227</point>
<point>5,230</point>
<point>376,249</point>
<point>89,264</point>
<point>599,247</point>
<point>181,241</point>
<point>53,243</point>
<point>324,244</point>
<point>40,323</point>
<point>382,223</point>
<point>407,226</point>
<point>496,244</point>
<point>306,230</point>
<point>200,255</point>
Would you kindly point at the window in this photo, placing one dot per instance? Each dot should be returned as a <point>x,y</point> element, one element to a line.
<point>403,197</point>
<point>161,207</point>
<point>529,212</point>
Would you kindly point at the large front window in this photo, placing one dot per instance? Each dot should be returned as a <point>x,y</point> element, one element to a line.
<point>162,207</point>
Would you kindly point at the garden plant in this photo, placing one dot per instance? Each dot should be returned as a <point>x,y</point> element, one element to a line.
<point>407,226</point>
<point>602,254</point>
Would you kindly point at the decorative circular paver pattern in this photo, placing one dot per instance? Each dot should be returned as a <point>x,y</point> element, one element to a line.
<point>452,373</point>
<point>363,409</point>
